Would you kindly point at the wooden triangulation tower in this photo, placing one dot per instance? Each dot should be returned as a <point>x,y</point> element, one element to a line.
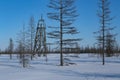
<point>40,38</point>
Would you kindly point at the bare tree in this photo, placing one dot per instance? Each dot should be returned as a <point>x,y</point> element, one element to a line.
<point>24,59</point>
<point>10,47</point>
<point>30,36</point>
<point>19,49</point>
<point>105,38</point>
<point>65,13</point>
<point>0,52</point>
<point>110,43</point>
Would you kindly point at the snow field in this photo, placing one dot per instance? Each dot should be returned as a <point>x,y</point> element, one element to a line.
<point>85,68</point>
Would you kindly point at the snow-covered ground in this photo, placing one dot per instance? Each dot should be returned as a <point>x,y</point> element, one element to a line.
<point>86,67</point>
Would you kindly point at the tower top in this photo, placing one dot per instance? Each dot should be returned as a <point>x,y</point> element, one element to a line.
<point>41,19</point>
<point>41,22</point>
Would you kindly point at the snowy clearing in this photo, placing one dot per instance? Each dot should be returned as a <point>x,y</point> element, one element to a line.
<point>85,68</point>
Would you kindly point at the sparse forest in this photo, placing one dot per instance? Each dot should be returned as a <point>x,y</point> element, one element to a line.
<point>32,39</point>
<point>39,45</point>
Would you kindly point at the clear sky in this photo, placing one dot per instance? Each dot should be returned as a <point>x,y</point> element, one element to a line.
<point>13,13</point>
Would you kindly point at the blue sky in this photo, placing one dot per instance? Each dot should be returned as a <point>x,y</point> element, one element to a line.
<point>13,13</point>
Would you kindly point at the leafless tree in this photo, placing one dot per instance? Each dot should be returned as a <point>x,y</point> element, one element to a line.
<point>10,47</point>
<point>110,44</point>
<point>105,38</point>
<point>21,49</point>
<point>30,35</point>
<point>64,12</point>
